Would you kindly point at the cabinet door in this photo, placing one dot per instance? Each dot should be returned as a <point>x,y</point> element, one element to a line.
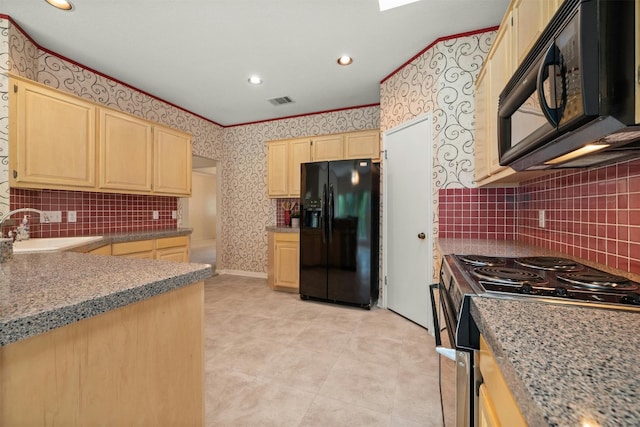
<point>486,412</point>
<point>135,249</point>
<point>529,19</point>
<point>299,152</point>
<point>102,250</point>
<point>482,122</point>
<point>496,389</point>
<point>330,147</point>
<point>287,259</point>
<point>173,248</point>
<point>172,161</point>
<point>52,138</point>
<point>177,254</point>
<point>126,152</point>
<point>277,167</point>
<point>362,145</point>
<point>500,73</point>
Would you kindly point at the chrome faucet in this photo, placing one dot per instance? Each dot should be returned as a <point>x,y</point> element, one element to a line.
<point>8,214</point>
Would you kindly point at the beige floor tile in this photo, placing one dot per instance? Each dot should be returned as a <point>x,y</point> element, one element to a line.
<point>262,403</point>
<point>366,384</point>
<point>272,359</point>
<point>325,412</point>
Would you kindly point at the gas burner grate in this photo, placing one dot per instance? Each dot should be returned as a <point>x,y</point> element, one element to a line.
<point>549,263</point>
<point>508,275</point>
<point>482,260</point>
<point>598,281</point>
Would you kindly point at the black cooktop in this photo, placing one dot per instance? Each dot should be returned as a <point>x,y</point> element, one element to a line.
<point>551,277</point>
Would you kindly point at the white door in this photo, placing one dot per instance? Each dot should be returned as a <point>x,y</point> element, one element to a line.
<point>408,219</point>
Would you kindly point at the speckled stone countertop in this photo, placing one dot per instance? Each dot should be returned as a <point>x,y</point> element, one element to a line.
<point>565,365</point>
<point>43,291</point>
<point>275,229</point>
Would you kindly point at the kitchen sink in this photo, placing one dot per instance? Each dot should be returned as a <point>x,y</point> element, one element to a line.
<point>48,244</point>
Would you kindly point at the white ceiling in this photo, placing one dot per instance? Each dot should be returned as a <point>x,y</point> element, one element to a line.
<point>198,54</point>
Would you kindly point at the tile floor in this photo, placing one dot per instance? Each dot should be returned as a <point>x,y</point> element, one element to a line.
<point>274,360</point>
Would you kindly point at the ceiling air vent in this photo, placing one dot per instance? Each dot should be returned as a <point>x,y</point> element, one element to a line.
<point>281,101</point>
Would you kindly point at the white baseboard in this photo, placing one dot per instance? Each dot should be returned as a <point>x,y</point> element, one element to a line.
<point>243,273</point>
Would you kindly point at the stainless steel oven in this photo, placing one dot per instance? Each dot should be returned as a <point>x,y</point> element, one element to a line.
<point>460,339</point>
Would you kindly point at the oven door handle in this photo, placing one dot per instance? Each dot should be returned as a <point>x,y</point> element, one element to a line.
<point>449,353</point>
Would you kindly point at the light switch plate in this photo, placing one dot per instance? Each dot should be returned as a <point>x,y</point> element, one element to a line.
<point>71,216</point>
<point>156,215</point>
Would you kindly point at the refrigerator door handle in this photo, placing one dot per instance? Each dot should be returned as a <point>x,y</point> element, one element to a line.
<point>323,205</point>
<point>330,219</point>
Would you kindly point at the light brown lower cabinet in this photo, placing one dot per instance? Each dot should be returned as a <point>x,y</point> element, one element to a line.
<point>141,364</point>
<point>166,248</point>
<point>497,406</point>
<point>284,259</point>
<point>102,250</point>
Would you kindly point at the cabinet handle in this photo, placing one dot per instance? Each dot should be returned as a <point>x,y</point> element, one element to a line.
<point>15,174</point>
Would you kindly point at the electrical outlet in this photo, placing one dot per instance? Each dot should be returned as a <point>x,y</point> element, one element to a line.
<point>71,216</point>
<point>52,216</point>
<point>541,219</point>
<point>156,215</point>
<point>174,214</point>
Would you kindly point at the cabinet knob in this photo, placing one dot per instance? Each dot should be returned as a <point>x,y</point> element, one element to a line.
<point>421,236</point>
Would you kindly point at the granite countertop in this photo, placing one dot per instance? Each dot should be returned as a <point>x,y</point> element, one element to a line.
<point>565,365</point>
<point>277,229</point>
<point>43,291</point>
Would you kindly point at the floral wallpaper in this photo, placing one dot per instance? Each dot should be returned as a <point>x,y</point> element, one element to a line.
<point>441,81</point>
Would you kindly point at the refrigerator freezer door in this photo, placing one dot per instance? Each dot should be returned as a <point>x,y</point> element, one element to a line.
<point>313,251</point>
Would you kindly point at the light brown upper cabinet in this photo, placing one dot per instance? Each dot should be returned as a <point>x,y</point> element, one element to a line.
<point>328,147</point>
<point>482,123</point>
<point>299,152</point>
<point>285,156</point>
<point>172,161</point>
<point>283,166</point>
<point>51,138</point>
<point>126,152</point>
<point>362,145</point>
<point>60,141</point>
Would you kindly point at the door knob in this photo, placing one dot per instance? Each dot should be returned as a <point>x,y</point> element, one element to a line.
<point>421,236</point>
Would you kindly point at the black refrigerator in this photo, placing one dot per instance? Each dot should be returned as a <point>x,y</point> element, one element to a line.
<point>339,231</point>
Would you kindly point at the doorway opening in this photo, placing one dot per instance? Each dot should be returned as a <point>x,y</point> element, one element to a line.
<point>200,212</point>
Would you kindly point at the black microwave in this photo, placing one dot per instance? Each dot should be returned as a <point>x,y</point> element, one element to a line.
<point>573,102</point>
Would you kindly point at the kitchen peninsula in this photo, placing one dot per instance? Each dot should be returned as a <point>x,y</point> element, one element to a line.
<point>101,340</point>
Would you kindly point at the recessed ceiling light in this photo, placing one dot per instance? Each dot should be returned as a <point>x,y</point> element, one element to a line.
<point>255,80</point>
<point>60,4</point>
<point>390,4</point>
<point>345,60</point>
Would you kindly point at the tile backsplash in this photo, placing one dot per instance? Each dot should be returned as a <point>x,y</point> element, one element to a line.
<point>97,213</point>
<point>590,214</point>
<point>477,213</point>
